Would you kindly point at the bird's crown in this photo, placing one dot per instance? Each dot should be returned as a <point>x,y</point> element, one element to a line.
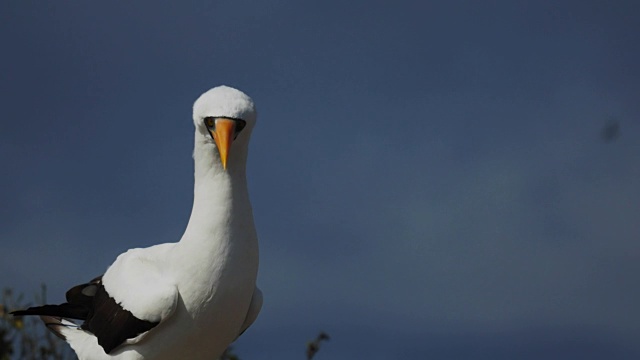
<point>224,101</point>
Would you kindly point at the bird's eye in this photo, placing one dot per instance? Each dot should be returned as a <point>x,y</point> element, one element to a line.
<point>240,124</point>
<point>210,122</point>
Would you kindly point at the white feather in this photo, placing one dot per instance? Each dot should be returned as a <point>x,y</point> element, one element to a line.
<point>139,281</point>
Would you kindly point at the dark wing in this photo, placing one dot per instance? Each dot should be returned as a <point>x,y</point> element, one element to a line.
<point>112,324</point>
<point>78,305</point>
<point>102,315</point>
<point>69,311</point>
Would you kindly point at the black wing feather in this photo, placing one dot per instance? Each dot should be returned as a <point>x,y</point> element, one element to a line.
<point>112,324</point>
<point>102,315</point>
<point>66,310</point>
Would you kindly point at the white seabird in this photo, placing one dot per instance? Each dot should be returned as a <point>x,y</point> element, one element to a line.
<point>184,300</point>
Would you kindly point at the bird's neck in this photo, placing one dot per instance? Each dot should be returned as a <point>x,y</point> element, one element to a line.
<point>221,207</point>
<point>220,242</point>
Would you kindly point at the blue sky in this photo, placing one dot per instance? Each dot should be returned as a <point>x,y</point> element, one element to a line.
<point>428,180</point>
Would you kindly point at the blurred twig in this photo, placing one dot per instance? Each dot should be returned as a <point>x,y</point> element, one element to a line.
<point>26,338</point>
<point>314,346</point>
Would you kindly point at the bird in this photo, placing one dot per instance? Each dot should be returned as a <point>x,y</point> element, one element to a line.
<point>188,299</point>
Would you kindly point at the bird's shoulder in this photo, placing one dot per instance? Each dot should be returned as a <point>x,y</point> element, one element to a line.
<point>140,282</point>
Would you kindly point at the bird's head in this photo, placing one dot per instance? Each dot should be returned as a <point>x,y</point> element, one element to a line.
<point>225,116</point>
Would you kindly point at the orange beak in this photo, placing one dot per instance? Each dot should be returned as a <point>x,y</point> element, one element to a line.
<point>223,136</point>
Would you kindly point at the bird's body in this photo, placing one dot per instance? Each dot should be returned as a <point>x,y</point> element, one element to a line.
<point>184,300</point>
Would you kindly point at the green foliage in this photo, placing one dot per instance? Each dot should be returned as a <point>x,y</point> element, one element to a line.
<point>27,338</point>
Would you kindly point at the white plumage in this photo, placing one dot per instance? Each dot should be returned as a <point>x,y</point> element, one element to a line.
<point>199,294</point>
